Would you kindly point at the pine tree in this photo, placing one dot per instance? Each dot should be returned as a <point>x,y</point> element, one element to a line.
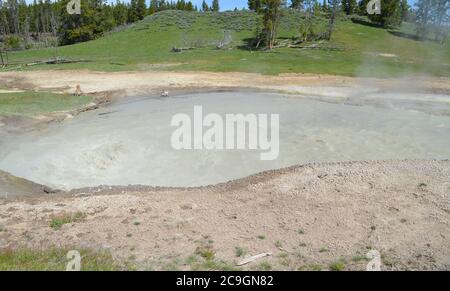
<point>205,6</point>
<point>141,9</point>
<point>271,15</point>
<point>349,6</point>
<point>391,14</point>
<point>132,11</point>
<point>120,13</point>
<point>189,6</point>
<point>296,4</point>
<point>215,5</point>
<point>254,5</point>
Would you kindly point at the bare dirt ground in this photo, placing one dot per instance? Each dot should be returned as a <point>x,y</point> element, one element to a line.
<point>135,83</point>
<point>309,217</point>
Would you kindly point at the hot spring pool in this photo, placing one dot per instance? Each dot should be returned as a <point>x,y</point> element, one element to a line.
<point>128,143</point>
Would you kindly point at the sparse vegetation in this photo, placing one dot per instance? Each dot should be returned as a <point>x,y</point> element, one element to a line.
<point>337,266</point>
<point>206,251</point>
<point>359,258</point>
<point>265,266</point>
<point>58,221</point>
<point>240,252</point>
<point>54,260</point>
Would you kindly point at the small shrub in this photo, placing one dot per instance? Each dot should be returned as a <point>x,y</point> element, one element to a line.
<point>58,221</point>
<point>239,252</point>
<point>13,43</point>
<point>337,266</point>
<point>265,266</point>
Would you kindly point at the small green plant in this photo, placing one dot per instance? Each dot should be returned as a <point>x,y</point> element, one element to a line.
<point>136,223</point>
<point>240,252</point>
<point>337,266</point>
<point>301,231</point>
<point>323,250</point>
<point>284,259</point>
<point>278,244</point>
<point>192,259</point>
<point>205,251</point>
<point>262,237</point>
<point>13,42</point>
<point>58,221</point>
<point>265,266</point>
<point>359,258</point>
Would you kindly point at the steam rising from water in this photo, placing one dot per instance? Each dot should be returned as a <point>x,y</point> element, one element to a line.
<point>129,143</point>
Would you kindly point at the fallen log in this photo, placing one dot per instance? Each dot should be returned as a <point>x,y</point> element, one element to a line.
<point>54,62</point>
<point>180,49</point>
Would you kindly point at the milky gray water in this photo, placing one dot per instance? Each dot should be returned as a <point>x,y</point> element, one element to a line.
<point>128,143</point>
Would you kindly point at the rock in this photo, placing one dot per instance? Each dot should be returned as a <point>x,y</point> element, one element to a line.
<point>49,190</point>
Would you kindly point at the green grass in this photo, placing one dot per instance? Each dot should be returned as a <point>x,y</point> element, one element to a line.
<point>150,42</point>
<point>265,266</point>
<point>337,266</point>
<point>58,221</point>
<point>35,103</point>
<point>240,252</point>
<point>53,260</point>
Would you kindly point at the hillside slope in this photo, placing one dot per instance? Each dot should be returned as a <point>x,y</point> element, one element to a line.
<point>355,49</point>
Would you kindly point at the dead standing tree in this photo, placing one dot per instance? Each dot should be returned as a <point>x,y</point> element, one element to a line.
<point>333,14</point>
<point>3,59</point>
<point>3,55</point>
<point>55,25</point>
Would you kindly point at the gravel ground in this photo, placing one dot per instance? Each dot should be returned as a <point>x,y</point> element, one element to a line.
<point>308,217</point>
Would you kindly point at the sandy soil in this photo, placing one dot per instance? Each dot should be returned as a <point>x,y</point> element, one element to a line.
<point>135,83</point>
<point>306,216</point>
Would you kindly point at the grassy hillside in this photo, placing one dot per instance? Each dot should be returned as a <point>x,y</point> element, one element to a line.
<point>361,49</point>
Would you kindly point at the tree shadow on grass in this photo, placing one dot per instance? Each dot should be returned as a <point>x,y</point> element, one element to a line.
<point>365,22</point>
<point>249,44</point>
<point>409,36</point>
